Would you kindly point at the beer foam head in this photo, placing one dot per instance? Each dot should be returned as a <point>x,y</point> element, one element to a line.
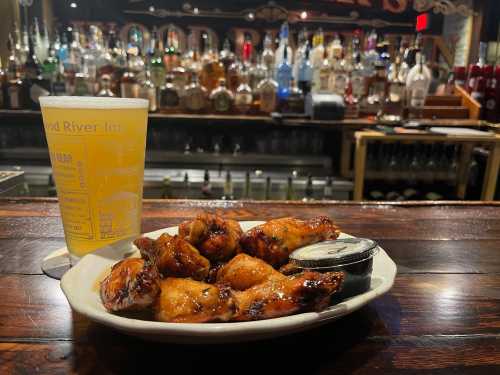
<point>89,102</point>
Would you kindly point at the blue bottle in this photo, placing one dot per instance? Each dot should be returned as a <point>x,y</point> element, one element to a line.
<point>284,76</point>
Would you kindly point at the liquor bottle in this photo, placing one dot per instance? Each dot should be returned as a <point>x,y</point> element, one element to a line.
<point>83,86</point>
<point>105,87</point>
<point>371,56</point>
<point>233,75</point>
<point>358,74</point>
<point>37,86</point>
<point>267,91</point>
<point>191,60</point>
<point>284,76</point>
<point>300,52</point>
<point>321,75</point>
<point>410,54</point>
<point>334,49</point>
<point>129,86</point>
<point>243,98</point>
<point>290,194</point>
<point>221,98</point>
<point>212,69</point>
<point>256,73</point>
<point>476,84</point>
<point>318,51</point>
<point>228,187</point>
<point>17,93</point>
<point>170,100</point>
<point>309,192</point>
<point>460,75</point>
<point>195,99</point>
<point>338,76</point>
<point>13,68</point>
<point>186,186</point>
<point>180,79</point>
<point>75,55</point>
<point>226,56</point>
<point>49,66</point>
<point>156,61</point>
<point>417,85</point>
<point>490,100</point>
<point>147,90</point>
<point>40,49</point>
<point>268,53</point>
<point>167,188</point>
<point>3,86</point>
<point>59,82</point>
<point>280,51</point>
<point>206,187</point>
<point>377,86</point>
<point>268,189</point>
<point>328,189</point>
<point>294,102</point>
<point>305,73</point>
<point>394,103</point>
<point>247,191</point>
<point>171,55</point>
<point>134,51</point>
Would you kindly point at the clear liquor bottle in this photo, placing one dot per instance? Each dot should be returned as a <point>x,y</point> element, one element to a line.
<point>371,57</point>
<point>226,56</point>
<point>377,86</point>
<point>300,52</point>
<point>358,73</point>
<point>418,83</point>
<point>36,85</point>
<point>257,73</point>
<point>268,53</point>
<point>267,91</point>
<point>395,101</point>
<point>243,98</point>
<point>147,90</point>
<point>195,98</point>
<point>221,98</point>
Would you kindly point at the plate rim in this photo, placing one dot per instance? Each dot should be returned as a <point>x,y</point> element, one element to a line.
<point>225,329</point>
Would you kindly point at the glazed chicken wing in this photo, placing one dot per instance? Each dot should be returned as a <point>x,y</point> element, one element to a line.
<point>133,284</point>
<point>216,238</point>
<point>190,301</point>
<point>276,239</point>
<point>307,291</point>
<point>243,272</point>
<point>174,256</point>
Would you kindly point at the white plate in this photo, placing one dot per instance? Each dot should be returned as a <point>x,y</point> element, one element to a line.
<point>79,286</point>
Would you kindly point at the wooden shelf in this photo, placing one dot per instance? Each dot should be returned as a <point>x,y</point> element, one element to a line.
<point>29,117</point>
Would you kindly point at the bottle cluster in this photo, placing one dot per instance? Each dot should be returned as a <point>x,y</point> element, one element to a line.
<point>370,74</point>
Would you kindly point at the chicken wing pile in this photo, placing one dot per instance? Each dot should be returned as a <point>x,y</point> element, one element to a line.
<point>213,272</point>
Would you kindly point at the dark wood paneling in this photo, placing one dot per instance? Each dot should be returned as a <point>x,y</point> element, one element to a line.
<point>441,316</point>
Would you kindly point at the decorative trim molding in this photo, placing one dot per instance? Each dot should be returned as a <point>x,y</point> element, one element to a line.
<point>269,13</point>
<point>445,7</point>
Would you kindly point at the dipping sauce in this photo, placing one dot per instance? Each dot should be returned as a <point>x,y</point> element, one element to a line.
<point>353,256</point>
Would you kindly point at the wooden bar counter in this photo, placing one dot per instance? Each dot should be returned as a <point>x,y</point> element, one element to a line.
<point>442,316</point>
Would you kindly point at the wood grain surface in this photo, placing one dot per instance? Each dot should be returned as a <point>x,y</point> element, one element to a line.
<point>441,317</point>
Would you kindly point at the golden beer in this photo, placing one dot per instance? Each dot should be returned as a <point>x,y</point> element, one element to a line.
<point>97,148</point>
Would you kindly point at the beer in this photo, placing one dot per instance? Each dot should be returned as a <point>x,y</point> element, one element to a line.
<point>97,148</point>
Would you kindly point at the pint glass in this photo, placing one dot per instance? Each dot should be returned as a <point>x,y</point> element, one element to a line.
<point>97,148</point>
